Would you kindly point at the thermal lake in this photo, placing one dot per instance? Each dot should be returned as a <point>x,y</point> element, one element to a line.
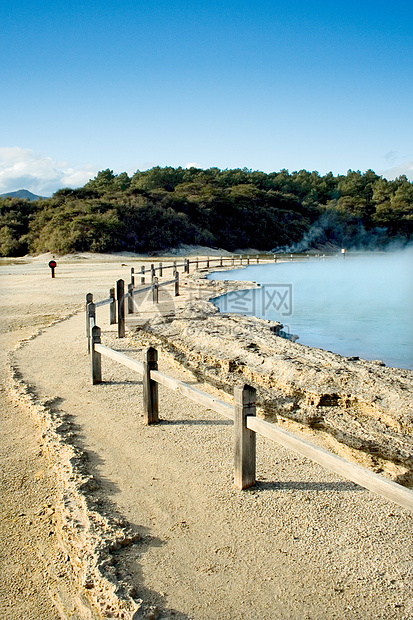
<point>360,305</point>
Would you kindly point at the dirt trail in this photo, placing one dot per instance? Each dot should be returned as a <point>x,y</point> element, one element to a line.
<point>36,579</point>
<point>302,544</point>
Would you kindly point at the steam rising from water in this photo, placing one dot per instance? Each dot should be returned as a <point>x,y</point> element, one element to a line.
<point>331,231</point>
<point>357,306</point>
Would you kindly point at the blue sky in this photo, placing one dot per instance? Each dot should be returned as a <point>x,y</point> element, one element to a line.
<point>264,85</point>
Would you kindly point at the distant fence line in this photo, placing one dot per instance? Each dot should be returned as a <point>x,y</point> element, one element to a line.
<point>118,295</point>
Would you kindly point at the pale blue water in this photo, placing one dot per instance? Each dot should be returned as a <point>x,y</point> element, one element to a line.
<point>358,306</point>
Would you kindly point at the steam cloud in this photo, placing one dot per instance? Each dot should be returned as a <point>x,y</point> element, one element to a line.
<point>330,232</point>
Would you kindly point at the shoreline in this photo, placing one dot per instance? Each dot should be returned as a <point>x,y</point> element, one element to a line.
<point>362,408</point>
<point>387,356</point>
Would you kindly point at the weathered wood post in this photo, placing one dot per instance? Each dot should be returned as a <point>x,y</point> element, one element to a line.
<point>174,268</point>
<point>208,262</point>
<point>220,261</point>
<point>176,283</point>
<point>248,259</point>
<point>196,262</point>
<point>233,260</point>
<point>155,290</point>
<point>120,297</point>
<point>112,307</point>
<point>95,357</point>
<point>150,387</point>
<point>91,317</point>
<point>186,265</point>
<point>132,276</point>
<point>275,258</point>
<point>258,259</point>
<point>89,300</point>
<point>130,298</point>
<point>152,271</point>
<point>160,270</point>
<point>244,439</point>
<point>143,274</point>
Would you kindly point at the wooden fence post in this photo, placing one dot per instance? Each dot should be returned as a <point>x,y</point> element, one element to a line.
<point>160,270</point>
<point>248,259</point>
<point>89,300</point>
<point>130,298</point>
<point>208,262</point>
<point>174,269</point>
<point>132,276</point>
<point>155,290</point>
<point>196,262</point>
<point>143,274</point>
<point>95,358</point>
<point>186,265</point>
<point>233,260</point>
<point>91,314</point>
<point>120,296</point>
<point>152,271</point>
<point>150,387</point>
<point>220,261</point>
<point>176,283</point>
<point>258,259</point>
<point>112,307</point>
<point>275,258</point>
<point>244,439</point>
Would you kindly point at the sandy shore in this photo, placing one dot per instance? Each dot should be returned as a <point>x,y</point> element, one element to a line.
<point>104,517</point>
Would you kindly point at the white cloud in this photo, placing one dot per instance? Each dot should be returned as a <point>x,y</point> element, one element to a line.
<point>192,164</point>
<point>26,169</point>
<point>404,168</point>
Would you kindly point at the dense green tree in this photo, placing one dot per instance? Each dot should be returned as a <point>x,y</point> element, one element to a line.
<point>103,181</point>
<point>158,178</point>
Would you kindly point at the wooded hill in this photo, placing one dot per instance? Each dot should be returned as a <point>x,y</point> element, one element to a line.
<point>163,207</point>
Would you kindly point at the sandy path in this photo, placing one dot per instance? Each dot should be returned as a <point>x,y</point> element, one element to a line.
<point>303,544</point>
<point>36,580</point>
<point>26,531</point>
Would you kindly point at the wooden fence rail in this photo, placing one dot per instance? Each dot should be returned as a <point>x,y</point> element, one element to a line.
<point>246,424</point>
<point>118,298</point>
<point>361,476</point>
<point>197,262</point>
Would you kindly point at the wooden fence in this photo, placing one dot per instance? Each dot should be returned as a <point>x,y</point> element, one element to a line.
<point>118,297</point>
<point>246,424</point>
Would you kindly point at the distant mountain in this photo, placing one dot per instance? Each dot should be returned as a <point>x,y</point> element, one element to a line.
<point>21,193</point>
